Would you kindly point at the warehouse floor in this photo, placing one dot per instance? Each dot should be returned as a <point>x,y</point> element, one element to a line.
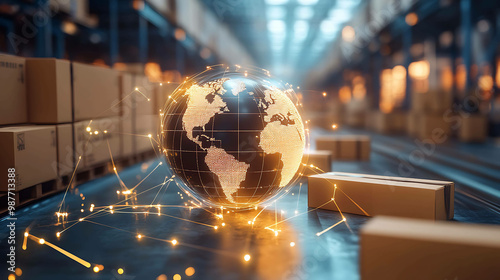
<point>111,239</point>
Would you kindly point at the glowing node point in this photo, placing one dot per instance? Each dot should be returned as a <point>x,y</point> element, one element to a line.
<point>216,227</point>
<point>190,271</point>
<point>223,224</point>
<point>139,236</point>
<point>149,135</point>
<point>136,88</point>
<point>88,128</point>
<point>292,244</point>
<point>96,269</point>
<point>246,257</point>
<point>120,271</point>
<point>174,242</point>
<point>176,277</point>
<point>26,234</point>
<point>42,241</point>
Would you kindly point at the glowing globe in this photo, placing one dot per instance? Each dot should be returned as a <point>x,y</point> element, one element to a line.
<point>234,137</point>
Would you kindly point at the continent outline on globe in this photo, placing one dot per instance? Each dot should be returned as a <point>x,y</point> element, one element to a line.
<point>281,139</point>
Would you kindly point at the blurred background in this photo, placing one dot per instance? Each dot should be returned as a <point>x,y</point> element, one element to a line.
<point>363,57</point>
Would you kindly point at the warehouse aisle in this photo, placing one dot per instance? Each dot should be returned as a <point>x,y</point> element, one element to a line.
<point>111,239</point>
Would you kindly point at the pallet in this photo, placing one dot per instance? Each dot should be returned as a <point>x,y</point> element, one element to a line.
<point>33,193</point>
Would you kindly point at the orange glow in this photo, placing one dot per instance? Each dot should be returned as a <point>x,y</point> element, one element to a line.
<point>485,82</point>
<point>180,34</point>
<point>177,277</point>
<point>120,66</point>
<point>153,71</point>
<point>190,271</point>
<point>419,70</point>
<point>348,33</point>
<point>461,77</point>
<point>11,277</point>
<point>99,62</point>
<point>447,78</point>
<point>411,19</point>
<point>345,94</point>
<point>18,271</point>
<point>497,78</point>
<point>358,88</point>
<point>246,257</point>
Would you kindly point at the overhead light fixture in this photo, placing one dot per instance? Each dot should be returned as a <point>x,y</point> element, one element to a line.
<point>348,33</point>
<point>276,26</point>
<point>307,2</point>
<point>276,2</point>
<point>276,12</point>
<point>303,12</point>
<point>300,30</point>
<point>329,28</point>
<point>339,15</point>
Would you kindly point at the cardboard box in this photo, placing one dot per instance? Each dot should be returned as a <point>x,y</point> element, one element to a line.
<point>94,147</point>
<point>144,96</point>
<point>370,196</point>
<point>95,92</point>
<point>431,126</point>
<point>13,108</point>
<point>397,248</point>
<point>419,102</point>
<point>321,160</point>
<point>439,101</point>
<point>144,126</point>
<point>389,123</point>
<point>413,123</point>
<point>31,150</point>
<point>65,157</point>
<point>449,186</point>
<point>127,114</point>
<point>345,147</point>
<point>473,129</point>
<point>49,90</point>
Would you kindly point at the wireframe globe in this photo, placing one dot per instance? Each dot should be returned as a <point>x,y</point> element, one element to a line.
<point>234,137</point>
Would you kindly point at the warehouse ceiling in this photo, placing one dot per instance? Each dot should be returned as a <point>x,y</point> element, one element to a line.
<point>285,36</point>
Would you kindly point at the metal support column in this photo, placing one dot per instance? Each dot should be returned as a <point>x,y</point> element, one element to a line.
<point>143,40</point>
<point>43,22</point>
<point>9,28</point>
<point>466,18</point>
<point>113,32</point>
<point>407,41</point>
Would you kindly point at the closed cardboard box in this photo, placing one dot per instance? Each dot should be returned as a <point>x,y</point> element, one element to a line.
<point>31,150</point>
<point>127,114</point>
<point>65,156</point>
<point>144,97</point>
<point>49,90</point>
<point>448,185</point>
<point>146,125</point>
<point>13,108</point>
<point>473,129</point>
<point>346,147</point>
<point>91,141</point>
<point>371,197</point>
<point>317,162</point>
<point>95,92</point>
<point>389,123</point>
<point>433,126</point>
<point>398,248</point>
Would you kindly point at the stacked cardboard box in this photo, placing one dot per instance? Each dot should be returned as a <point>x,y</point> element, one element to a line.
<point>13,108</point>
<point>345,147</point>
<point>32,151</point>
<point>473,129</point>
<point>398,248</point>
<point>317,162</point>
<point>427,115</point>
<point>382,195</point>
<point>388,123</point>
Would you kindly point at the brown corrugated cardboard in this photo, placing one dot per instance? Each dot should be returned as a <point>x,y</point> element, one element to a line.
<point>13,108</point>
<point>321,161</point>
<point>388,123</point>
<point>126,115</point>
<point>397,248</point>
<point>31,150</point>
<point>448,185</point>
<point>371,197</point>
<point>419,102</point>
<point>431,126</point>
<point>144,97</point>
<point>65,160</point>
<point>439,101</point>
<point>94,147</point>
<point>145,125</point>
<point>345,147</point>
<point>473,129</point>
<point>95,92</point>
<point>49,90</point>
